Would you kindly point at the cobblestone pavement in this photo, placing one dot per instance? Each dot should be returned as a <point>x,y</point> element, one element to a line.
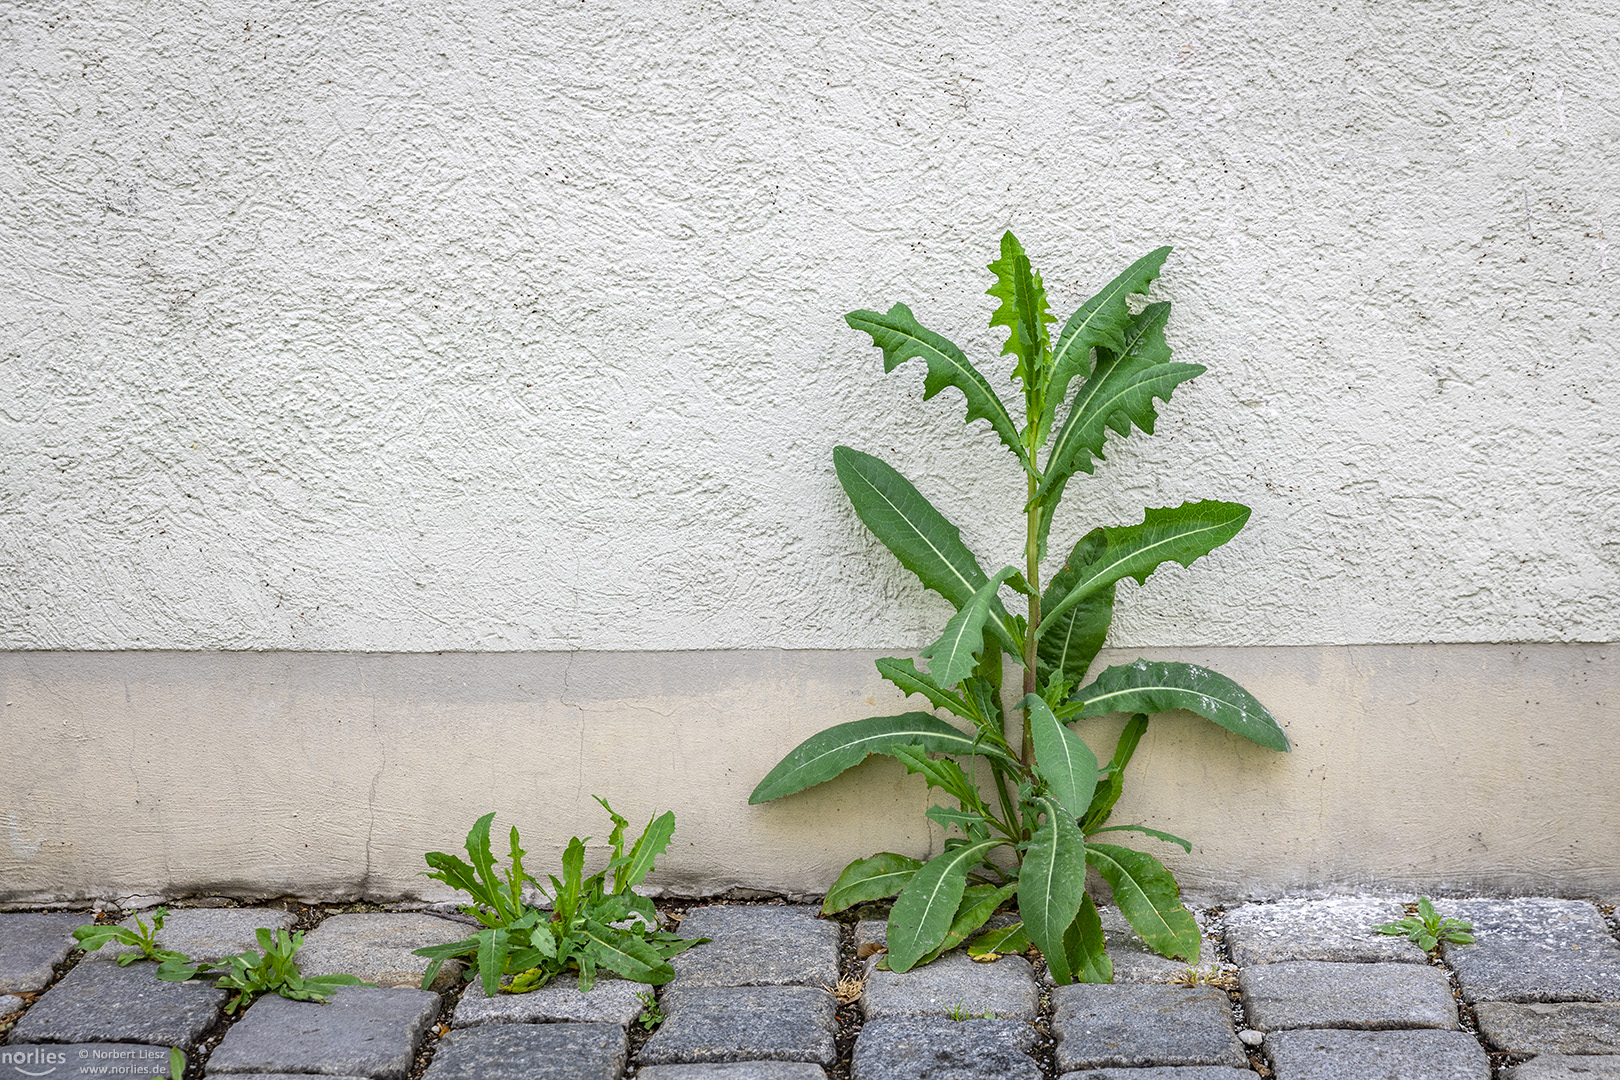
<point>1296,989</point>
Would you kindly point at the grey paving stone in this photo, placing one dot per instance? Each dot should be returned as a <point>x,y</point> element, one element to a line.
<point>1134,962</point>
<point>758,945</point>
<point>283,1076</point>
<point>531,1052</point>
<point>377,947</point>
<point>31,947</point>
<point>1327,1054</point>
<point>1337,929</point>
<point>363,1031</point>
<point>1534,950</point>
<point>1167,1072</point>
<point>743,1023</point>
<point>1536,1028</point>
<point>925,1048</point>
<point>736,1070</point>
<point>1316,994</point>
<point>83,1061</point>
<point>611,1001</point>
<point>1100,1026</point>
<point>10,1003</point>
<point>954,983</point>
<point>108,1003</point>
<point>1566,1067</point>
<point>205,933</point>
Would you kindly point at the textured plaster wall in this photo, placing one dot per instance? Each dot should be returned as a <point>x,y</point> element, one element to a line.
<point>339,326</point>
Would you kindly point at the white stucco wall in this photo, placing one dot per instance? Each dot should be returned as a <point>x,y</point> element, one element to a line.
<point>403,327</point>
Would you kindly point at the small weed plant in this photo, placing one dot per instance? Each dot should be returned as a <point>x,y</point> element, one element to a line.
<point>1028,840</point>
<point>248,973</point>
<point>593,922</point>
<point>1427,928</point>
<point>142,938</point>
<point>652,1014</point>
<point>177,1065</point>
<point>276,971</point>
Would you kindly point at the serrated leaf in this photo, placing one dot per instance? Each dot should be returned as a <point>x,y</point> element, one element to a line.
<point>1149,899</point>
<point>483,861</point>
<point>1086,948</point>
<point>922,538</point>
<point>942,773</point>
<point>973,825</point>
<point>901,337</point>
<point>904,674</point>
<point>1023,311</point>
<point>1052,884</point>
<point>1118,397</point>
<point>1067,648</point>
<point>826,754</point>
<point>651,844</point>
<point>978,903</point>
<point>883,875</point>
<point>953,657</point>
<point>1062,758</point>
<point>1100,321</point>
<point>1182,534</point>
<point>1159,686</point>
<point>927,905</point>
<point>626,954</point>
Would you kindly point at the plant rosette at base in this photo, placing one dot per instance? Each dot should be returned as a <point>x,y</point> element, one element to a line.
<point>1029,841</point>
<point>591,923</point>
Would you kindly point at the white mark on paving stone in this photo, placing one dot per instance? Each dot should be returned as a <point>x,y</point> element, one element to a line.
<point>1338,929</point>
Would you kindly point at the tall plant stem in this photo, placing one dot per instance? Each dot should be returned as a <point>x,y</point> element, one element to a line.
<point>1032,574</point>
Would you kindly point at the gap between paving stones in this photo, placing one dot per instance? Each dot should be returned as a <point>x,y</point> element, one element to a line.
<point>849,1019</point>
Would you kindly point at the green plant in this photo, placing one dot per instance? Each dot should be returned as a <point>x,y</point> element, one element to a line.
<point>177,1065</point>
<point>142,938</point>
<point>274,971</point>
<point>1427,929</point>
<point>1029,841</point>
<point>959,1012</point>
<point>652,1014</point>
<point>591,923</point>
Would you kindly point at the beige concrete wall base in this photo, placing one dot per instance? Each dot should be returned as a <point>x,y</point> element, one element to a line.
<point>1444,768</point>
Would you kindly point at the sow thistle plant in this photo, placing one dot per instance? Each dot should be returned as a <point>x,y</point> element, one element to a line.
<point>1029,840</point>
<point>594,922</point>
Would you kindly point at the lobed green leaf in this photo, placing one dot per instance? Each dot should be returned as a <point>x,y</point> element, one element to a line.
<point>901,337</point>
<point>1100,321</point>
<point>1024,310</point>
<point>1070,641</point>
